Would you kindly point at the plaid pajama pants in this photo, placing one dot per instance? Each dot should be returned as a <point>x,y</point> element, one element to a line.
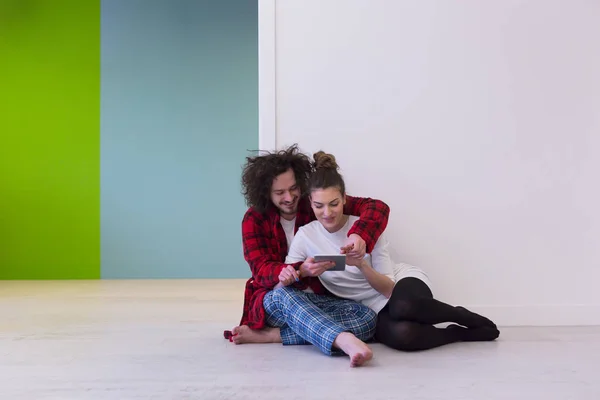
<point>308,318</point>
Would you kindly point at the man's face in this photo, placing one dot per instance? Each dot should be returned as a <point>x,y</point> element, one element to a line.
<point>285,194</point>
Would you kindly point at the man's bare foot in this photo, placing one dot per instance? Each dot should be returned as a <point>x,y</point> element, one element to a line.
<point>358,351</point>
<point>243,334</point>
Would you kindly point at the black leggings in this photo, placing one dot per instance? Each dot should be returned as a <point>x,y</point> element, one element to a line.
<point>406,322</point>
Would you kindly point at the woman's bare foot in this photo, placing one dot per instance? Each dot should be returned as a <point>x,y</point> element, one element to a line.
<point>243,334</point>
<point>358,351</point>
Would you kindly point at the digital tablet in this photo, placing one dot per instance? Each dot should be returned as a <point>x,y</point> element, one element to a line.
<point>339,259</point>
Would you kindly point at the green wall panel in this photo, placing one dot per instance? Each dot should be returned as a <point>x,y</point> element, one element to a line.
<point>49,139</point>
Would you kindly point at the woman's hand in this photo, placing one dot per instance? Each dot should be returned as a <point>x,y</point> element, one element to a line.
<point>357,262</point>
<point>355,246</point>
<point>288,276</point>
<point>312,268</point>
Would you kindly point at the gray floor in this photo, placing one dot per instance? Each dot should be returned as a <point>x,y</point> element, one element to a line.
<point>163,340</point>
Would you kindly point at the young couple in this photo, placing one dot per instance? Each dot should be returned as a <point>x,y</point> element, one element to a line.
<point>299,208</point>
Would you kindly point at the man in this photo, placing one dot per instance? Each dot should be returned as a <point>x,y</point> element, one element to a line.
<point>275,189</point>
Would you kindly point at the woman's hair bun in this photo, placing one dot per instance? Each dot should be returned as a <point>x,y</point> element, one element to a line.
<point>324,161</point>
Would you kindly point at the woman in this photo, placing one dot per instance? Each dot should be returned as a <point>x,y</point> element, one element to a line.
<point>406,308</point>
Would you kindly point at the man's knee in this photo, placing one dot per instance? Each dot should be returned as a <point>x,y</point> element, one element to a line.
<point>280,297</point>
<point>274,309</point>
<point>271,302</point>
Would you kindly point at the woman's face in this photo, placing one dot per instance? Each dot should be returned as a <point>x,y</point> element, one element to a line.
<point>328,206</point>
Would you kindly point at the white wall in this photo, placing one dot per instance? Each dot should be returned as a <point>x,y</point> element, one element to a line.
<point>477,122</point>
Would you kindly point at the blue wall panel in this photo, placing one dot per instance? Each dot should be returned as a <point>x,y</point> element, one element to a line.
<point>179,111</point>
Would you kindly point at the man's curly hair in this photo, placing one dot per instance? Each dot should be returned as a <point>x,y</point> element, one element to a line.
<point>260,171</point>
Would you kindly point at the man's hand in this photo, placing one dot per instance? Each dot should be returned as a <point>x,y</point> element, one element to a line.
<point>288,276</point>
<point>355,247</point>
<point>312,268</point>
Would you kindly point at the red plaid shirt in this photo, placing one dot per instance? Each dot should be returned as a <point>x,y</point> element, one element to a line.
<point>265,249</point>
